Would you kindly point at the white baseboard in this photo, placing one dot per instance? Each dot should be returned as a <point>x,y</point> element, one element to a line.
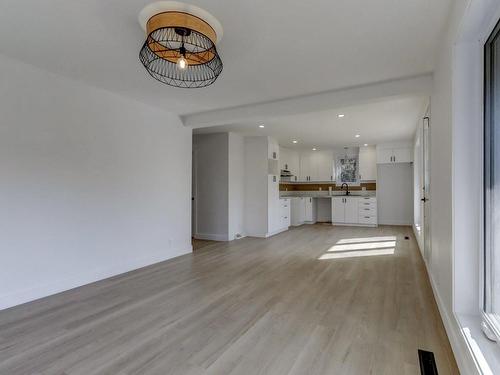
<point>41,291</point>
<point>266,235</point>
<point>276,232</point>
<point>459,345</point>
<point>464,358</point>
<point>354,225</point>
<point>211,237</point>
<point>419,242</point>
<point>396,222</point>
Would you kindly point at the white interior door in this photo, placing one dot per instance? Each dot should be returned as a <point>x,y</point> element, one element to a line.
<point>194,188</point>
<point>426,189</point>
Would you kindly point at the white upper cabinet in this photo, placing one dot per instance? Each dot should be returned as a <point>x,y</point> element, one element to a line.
<point>394,153</point>
<point>290,160</point>
<point>284,158</point>
<point>322,165</point>
<point>403,155</point>
<point>316,166</point>
<point>273,149</point>
<point>368,163</point>
<point>384,155</point>
<point>306,166</point>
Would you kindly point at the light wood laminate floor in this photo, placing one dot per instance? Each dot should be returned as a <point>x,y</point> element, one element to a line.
<point>304,302</point>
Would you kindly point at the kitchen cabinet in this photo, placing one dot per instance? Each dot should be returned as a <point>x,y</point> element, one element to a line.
<point>303,211</point>
<point>284,158</point>
<point>367,207</point>
<point>310,210</point>
<point>263,214</point>
<point>290,160</point>
<point>273,149</point>
<point>298,211</point>
<point>345,210</point>
<point>274,207</point>
<point>338,210</point>
<point>394,153</point>
<point>403,155</point>
<point>285,210</point>
<point>322,165</point>
<point>367,163</point>
<point>306,167</point>
<point>316,166</point>
<point>354,211</point>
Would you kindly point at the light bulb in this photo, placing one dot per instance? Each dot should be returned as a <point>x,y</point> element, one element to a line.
<point>182,63</point>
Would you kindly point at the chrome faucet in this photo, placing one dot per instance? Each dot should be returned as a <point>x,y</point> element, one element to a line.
<point>347,188</point>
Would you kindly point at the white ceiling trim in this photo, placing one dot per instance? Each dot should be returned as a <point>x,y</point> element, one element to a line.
<point>418,85</point>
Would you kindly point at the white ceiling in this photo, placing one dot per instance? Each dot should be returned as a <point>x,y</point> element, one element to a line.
<point>270,49</point>
<point>382,121</point>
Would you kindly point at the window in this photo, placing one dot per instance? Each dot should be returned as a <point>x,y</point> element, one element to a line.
<point>491,297</point>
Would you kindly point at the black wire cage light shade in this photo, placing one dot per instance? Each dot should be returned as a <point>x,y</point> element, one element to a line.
<point>180,50</point>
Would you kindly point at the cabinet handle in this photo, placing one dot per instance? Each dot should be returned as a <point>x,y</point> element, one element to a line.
<point>367,217</point>
<point>367,209</point>
<point>394,159</point>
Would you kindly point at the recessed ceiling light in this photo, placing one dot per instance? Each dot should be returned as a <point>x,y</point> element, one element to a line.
<point>366,144</point>
<point>340,115</point>
<point>314,149</point>
<point>357,135</point>
<point>295,141</point>
<point>261,126</point>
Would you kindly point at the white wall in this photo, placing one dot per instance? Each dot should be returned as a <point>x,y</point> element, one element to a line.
<point>455,132</point>
<point>395,194</point>
<point>256,185</point>
<point>92,184</point>
<point>212,183</point>
<point>236,151</point>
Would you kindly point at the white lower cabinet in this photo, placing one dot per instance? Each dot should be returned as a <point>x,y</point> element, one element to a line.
<point>285,212</point>
<point>367,207</point>
<point>354,211</point>
<point>338,210</point>
<point>310,211</point>
<point>303,211</point>
<point>298,212</point>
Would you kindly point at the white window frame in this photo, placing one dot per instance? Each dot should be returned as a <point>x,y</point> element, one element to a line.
<point>489,325</point>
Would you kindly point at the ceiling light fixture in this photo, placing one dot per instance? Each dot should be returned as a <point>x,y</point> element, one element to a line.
<point>180,44</point>
<point>366,144</point>
<point>314,149</point>
<point>261,126</point>
<point>295,141</point>
<point>357,135</point>
<point>340,115</point>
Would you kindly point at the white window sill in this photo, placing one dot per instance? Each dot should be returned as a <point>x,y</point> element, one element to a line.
<point>485,352</point>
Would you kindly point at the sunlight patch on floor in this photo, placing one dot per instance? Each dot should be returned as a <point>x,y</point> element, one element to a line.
<point>357,253</point>
<point>366,239</point>
<point>361,247</point>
